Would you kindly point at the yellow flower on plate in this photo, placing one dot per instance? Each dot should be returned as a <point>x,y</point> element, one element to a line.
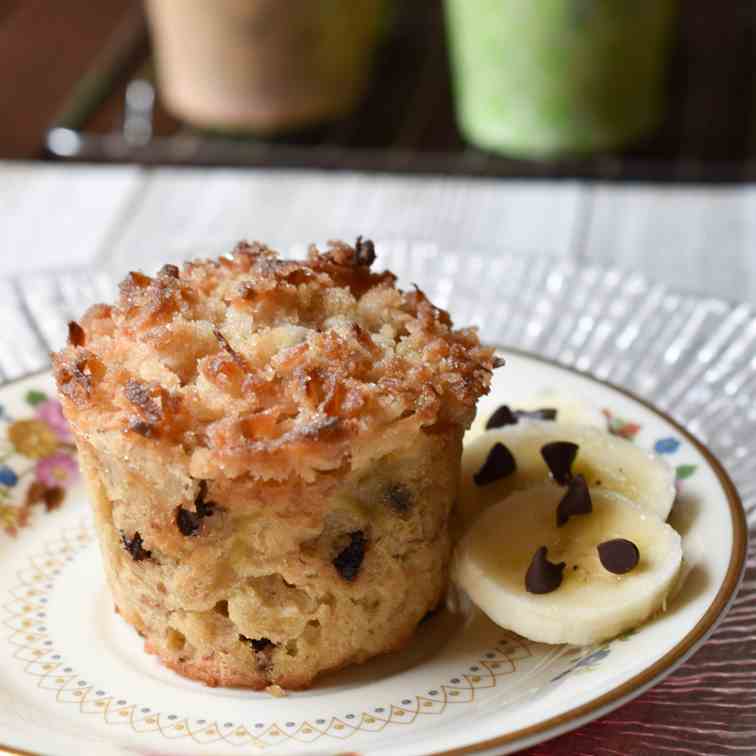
<point>32,438</point>
<point>8,516</point>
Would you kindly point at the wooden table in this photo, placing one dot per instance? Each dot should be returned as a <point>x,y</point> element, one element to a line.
<point>45,47</point>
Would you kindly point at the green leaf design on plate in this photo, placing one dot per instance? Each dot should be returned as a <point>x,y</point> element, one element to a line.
<point>684,471</point>
<point>34,397</point>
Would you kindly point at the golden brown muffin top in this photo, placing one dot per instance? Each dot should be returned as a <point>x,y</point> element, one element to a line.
<point>252,364</point>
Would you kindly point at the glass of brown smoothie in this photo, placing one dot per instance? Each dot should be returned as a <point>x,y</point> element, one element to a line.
<point>263,66</point>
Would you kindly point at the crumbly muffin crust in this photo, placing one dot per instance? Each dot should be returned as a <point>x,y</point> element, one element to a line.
<point>272,450</point>
<point>281,365</point>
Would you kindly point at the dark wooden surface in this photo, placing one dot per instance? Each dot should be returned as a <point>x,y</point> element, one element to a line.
<point>45,47</point>
<point>406,122</point>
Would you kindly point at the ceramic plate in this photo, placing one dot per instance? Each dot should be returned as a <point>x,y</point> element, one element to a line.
<point>75,679</point>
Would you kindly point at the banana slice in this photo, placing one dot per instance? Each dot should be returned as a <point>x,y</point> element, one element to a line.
<point>566,408</point>
<point>604,460</point>
<point>591,603</point>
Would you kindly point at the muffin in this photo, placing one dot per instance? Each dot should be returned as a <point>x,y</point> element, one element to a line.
<point>272,451</point>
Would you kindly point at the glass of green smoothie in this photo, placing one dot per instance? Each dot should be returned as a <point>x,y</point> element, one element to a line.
<point>543,78</point>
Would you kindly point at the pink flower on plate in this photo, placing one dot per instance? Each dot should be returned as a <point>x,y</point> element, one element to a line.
<point>57,470</point>
<point>52,413</point>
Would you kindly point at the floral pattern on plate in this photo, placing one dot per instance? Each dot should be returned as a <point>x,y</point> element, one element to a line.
<point>37,461</point>
<point>619,426</point>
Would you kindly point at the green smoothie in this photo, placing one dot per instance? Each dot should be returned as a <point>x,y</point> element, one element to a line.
<point>547,77</point>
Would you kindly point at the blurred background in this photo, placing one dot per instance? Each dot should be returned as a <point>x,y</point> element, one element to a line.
<point>651,90</point>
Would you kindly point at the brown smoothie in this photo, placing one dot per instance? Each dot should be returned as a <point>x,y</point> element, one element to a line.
<point>263,65</point>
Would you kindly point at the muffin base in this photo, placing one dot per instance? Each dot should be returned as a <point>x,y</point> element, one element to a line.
<point>214,630</point>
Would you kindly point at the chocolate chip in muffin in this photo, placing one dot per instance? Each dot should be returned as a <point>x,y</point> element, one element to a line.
<point>262,647</point>
<point>76,334</point>
<point>349,560</point>
<point>364,252</point>
<point>135,547</point>
<point>559,456</point>
<point>399,498</point>
<point>257,644</point>
<point>189,522</point>
<point>576,501</point>
<point>499,464</point>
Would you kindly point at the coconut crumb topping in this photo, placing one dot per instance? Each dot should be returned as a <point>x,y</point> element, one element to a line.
<point>250,364</point>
